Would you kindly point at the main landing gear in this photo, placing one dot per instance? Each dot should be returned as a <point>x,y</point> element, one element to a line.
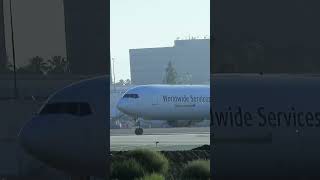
<point>139,130</point>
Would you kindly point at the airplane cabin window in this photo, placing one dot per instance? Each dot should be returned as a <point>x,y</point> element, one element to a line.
<point>131,96</point>
<point>50,109</point>
<point>84,109</point>
<point>74,108</point>
<point>71,108</point>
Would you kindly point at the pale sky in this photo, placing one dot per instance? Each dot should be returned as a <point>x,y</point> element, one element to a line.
<point>38,29</point>
<point>153,23</point>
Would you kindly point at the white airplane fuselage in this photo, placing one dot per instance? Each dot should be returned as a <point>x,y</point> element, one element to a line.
<point>261,125</point>
<point>167,102</point>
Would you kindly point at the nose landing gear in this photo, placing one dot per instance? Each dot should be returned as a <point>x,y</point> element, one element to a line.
<point>139,130</point>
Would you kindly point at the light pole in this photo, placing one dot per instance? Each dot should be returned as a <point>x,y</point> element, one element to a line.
<point>13,54</point>
<point>113,74</point>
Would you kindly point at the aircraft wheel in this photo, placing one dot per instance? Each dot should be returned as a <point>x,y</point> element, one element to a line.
<point>139,131</point>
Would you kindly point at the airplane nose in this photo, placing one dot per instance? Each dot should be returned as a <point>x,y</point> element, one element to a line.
<point>25,138</point>
<point>122,106</point>
<point>65,142</point>
<point>32,137</point>
<point>46,138</point>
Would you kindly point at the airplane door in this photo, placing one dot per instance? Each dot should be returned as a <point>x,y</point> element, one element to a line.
<point>156,107</point>
<point>155,101</point>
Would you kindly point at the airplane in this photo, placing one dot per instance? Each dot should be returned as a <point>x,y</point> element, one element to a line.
<point>69,132</point>
<point>261,125</point>
<point>115,114</point>
<point>166,102</point>
<point>265,126</point>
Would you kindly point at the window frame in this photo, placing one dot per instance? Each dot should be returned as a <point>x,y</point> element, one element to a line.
<point>134,96</point>
<point>65,110</point>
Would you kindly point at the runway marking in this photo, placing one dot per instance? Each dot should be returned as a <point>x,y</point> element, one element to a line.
<point>172,141</point>
<point>161,134</point>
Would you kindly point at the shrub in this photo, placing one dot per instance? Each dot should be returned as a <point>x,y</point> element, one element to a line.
<point>198,169</point>
<point>129,169</point>
<point>152,161</point>
<point>153,177</point>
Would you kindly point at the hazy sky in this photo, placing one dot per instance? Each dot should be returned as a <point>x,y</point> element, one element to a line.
<point>38,29</point>
<point>153,23</point>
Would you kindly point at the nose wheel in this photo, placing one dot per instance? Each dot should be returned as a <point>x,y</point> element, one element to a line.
<point>139,130</point>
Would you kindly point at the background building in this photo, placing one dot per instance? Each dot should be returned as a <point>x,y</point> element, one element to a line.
<point>3,56</point>
<point>86,28</point>
<point>190,58</point>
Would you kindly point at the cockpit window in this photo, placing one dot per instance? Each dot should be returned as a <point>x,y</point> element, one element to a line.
<point>74,108</point>
<point>131,96</point>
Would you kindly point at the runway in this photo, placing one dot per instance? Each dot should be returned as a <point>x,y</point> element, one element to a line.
<point>166,139</point>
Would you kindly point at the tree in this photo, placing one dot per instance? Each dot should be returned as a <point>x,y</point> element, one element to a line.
<point>36,65</point>
<point>185,79</point>
<point>171,74</point>
<point>121,82</point>
<point>58,64</point>
<point>7,68</point>
<point>127,82</point>
<point>10,66</point>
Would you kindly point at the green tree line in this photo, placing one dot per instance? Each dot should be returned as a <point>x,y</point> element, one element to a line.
<point>38,65</point>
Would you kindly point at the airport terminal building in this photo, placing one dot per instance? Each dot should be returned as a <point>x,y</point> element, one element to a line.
<point>190,58</point>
